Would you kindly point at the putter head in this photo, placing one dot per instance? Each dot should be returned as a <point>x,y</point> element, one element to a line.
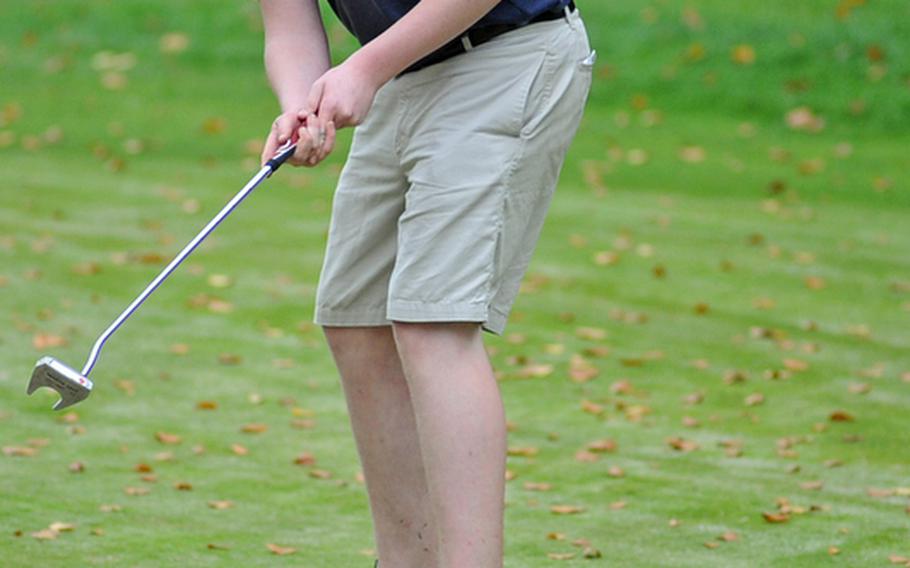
<point>53,374</point>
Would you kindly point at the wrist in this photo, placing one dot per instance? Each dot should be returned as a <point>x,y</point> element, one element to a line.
<point>366,62</point>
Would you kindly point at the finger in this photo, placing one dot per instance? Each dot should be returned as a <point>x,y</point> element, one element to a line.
<point>329,144</point>
<point>314,100</point>
<point>268,149</point>
<point>304,147</point>
<point>285,126</point>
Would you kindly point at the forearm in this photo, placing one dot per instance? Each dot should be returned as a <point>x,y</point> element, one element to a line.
<point>296,50</point>
<point>428,26</point>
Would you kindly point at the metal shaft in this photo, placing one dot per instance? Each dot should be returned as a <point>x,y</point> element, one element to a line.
<point>271,166</point>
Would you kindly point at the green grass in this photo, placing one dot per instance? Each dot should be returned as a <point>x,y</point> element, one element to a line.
<point>739,230</point>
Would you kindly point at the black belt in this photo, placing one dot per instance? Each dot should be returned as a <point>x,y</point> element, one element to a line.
<point>477,36</point>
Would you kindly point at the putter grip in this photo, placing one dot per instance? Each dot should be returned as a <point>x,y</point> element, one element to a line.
<point>281,157</point>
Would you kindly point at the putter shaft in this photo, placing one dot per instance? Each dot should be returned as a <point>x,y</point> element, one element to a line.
<point>267,170</point>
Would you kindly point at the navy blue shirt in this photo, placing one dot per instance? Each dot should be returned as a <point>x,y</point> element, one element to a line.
<point>366,19</point>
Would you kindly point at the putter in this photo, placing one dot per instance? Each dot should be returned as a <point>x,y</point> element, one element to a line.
<point>74,387</point>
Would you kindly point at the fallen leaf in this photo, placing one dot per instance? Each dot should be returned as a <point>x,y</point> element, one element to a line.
<point>254,428</point>
<point>165,438</point>
<point>566,509</point>
<point>841,416</point>
<point>173,43</point>
<point>20,451</point>
<point>47,341</point>
<point>45,534</point>
<point>523,451</point>
<point>221,505</point>
<point>591,333</point>
<point>776,517</point>
<point>280,550</point>
<point>305,459</point>
<point>681,444</point>
<point>743,54</point>
<point>605,445</point>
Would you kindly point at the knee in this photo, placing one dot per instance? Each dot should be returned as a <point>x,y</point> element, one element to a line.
<point>424,336</point>
<point>342,339</point>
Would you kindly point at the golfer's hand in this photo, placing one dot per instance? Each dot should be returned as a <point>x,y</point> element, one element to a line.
<point>313,142</point>
<point>341,97</point>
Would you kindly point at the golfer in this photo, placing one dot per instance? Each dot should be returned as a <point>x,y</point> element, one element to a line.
<point>464,111</point>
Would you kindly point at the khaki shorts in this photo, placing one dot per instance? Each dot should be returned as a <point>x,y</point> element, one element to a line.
<point>443,196</point>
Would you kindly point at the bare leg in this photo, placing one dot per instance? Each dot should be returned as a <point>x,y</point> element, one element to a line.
<point>384,428</point>
<point>461,423</point>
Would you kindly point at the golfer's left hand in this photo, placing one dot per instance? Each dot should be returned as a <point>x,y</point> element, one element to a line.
<point>341,97</point>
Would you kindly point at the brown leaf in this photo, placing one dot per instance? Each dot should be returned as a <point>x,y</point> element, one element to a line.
<point>605,445</point>
<point>221,505</point>
<point>681,444</point>
<point>320,474</point>
<point>585,456</point>
<point>591,333</point>
<point>305,459</point>
<point>560,555</point>
<point>743,54</point>
<point>535,370</point>
<point>173,43</point>
<point>591,552</point>
<point>20,451</point>
<point>841,416</point>
<point>45,534</point>
<point>165,438</point>
<point>755,399</point>
<point>776,517</point>
<point>62,527</point>
<point>229,359</point>
<point>254,428</point>
<point>44,341</point>
<point>206,405</point>
<point>592,407</point>
<point>214,125</point>
<point>280,550</point>
<point>581,370</point>
<point>239,450</point>
<point>77,467</point>
<point>523,451</point>
<point>135,491</point>
<point>566,509</point>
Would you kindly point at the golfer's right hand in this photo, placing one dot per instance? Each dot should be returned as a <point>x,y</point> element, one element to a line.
<point>290,126</point>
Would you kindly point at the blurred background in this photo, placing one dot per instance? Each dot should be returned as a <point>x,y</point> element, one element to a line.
<point>708,363</point>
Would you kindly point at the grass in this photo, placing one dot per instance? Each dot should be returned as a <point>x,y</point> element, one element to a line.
<point>768,252</point>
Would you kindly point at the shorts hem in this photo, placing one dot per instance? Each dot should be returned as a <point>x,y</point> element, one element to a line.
<point>416,312</point>
<point>343,318</point>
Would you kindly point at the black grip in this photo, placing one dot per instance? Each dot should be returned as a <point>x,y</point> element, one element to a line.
<point>281,157</point>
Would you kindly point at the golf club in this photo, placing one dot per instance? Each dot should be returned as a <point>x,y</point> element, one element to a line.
<point>74,387</point>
